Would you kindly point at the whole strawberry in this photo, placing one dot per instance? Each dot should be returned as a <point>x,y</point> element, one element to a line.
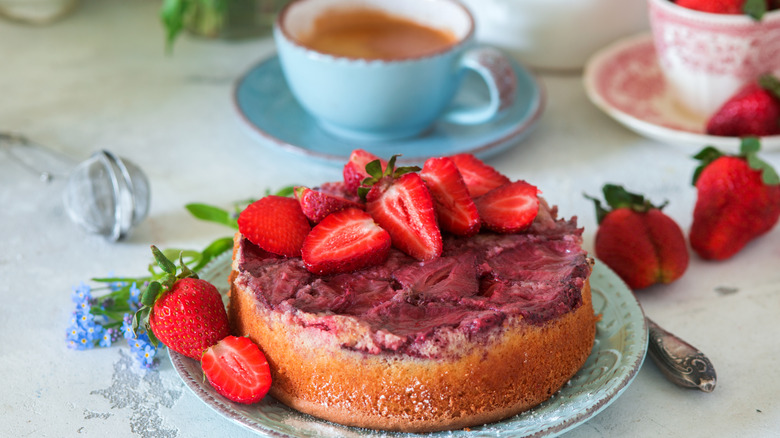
<point>738,199</point>
<point>753,111</point>
<point>753,8</point>
<point>182,311</point>
<point>637,240</point>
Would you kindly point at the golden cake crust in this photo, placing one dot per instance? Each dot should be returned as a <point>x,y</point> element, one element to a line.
<point>519,367</point>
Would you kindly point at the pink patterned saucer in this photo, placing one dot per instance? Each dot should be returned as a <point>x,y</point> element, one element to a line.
<point>625,81</point>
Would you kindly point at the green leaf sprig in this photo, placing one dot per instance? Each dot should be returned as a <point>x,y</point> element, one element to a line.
<point>376,173</point>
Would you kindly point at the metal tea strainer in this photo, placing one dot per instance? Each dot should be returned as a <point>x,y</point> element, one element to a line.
<point>105,194</point>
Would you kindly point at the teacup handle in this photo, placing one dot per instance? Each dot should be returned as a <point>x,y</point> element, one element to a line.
<point>497,72</point>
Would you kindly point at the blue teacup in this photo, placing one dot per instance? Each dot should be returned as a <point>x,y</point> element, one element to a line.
<point>381,98</point>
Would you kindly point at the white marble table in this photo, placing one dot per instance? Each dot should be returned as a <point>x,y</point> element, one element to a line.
<point>99,79</point>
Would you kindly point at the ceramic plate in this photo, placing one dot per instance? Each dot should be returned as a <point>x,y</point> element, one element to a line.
<point>625,81</point>
<point>621,342</point>
<point>266,104</point>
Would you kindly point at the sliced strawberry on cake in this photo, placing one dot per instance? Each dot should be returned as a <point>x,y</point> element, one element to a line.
<point>345,241</point>
<point>316,204</point>
<point>355,169</point>
<point>399,202</point>
<point>454,207</point>
<point>510,208</point>
<point>276,224</point>
<point>480,178</point>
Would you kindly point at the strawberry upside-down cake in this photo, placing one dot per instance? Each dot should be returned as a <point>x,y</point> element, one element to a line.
<point>417,299</point>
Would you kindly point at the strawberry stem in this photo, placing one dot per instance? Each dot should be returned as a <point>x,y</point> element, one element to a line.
<point>755,9</point>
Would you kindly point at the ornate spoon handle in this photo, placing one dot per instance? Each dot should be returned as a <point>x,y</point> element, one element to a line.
<point>679,361</point>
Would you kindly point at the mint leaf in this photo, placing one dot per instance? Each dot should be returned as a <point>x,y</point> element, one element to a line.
<point>212,214</point>
<point>172,15</point>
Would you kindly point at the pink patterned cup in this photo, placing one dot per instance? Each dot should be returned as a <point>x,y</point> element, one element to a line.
<point>707,57</point>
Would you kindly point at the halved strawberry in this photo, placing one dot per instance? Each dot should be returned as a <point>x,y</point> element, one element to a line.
<point>316,205</point>
<point>401,204</point>
<point>454,206</point>
<point>355,169</point>
<point>510,208</point>
<point>479,177</point>
<point>276,224</point>
<point>237,369</point>
<point>345,241</point>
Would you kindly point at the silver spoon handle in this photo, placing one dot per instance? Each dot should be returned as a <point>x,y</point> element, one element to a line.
<point>680,362</point>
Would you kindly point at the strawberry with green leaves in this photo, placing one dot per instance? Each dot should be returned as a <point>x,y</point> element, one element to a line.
<point>752,111</point>
<point>237,369</point>
<point>182,311</point>
<point>738,200</point>
<point>637,240</point>
<point>354,171</point>
<point>399,202</point>
<point>754,8</point>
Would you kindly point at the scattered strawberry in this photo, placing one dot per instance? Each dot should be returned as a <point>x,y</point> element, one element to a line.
<point>183,312</point>
<point>509,208</point>
<point>345,241</point>
<point>479,177</point>
<point>753,111</point>
<point>316,205</point>
<point>738,199</point>
<point>237,369</point>
<point>454,207</point>
<point>276,224</point>
<point>753,8</point>
<point>355,169</point>
<point>638,241</point>
<point>401,204</point>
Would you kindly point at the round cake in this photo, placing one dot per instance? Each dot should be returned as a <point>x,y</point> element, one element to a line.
<point>493,327</point>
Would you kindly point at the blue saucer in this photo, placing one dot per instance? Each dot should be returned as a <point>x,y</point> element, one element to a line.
<point>264,101</point>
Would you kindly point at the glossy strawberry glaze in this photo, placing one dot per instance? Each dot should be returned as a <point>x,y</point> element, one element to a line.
<point>476,285</point>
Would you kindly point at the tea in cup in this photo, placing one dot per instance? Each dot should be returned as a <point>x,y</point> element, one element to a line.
<point>378,70</point>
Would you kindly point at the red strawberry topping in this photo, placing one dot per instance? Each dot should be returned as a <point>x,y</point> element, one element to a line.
<point>509,208</point>
<point>403,206</point>
<point>237,369</point>
<point>479,177</point>
<point>638,241</point>
<point>753,111</point>
<point>454,207</point>
<point>316,205</point>
<point>276,224</point>
<point>345,241</point>
<point>355,169</point>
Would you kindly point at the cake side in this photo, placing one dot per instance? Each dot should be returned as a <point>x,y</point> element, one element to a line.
<point>520,366</point>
